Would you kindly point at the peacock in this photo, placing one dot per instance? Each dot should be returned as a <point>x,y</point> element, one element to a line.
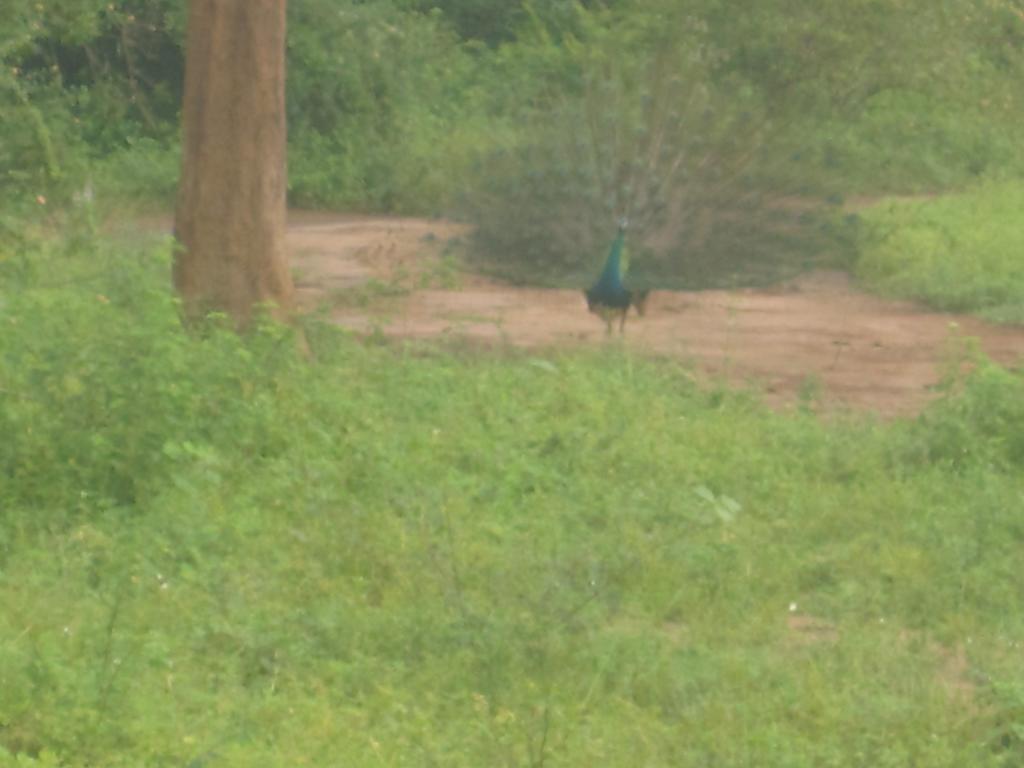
<point>609,297</point>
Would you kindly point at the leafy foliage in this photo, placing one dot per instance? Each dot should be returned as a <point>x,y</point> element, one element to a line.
<point>393,101</point>
<point>80,81</point>
<point>373,93</point>
<point>959,252</point>
<point>884,96</point>
<point>380,107</point>
<point>647,126</point>
<point>217,550</point>
<point>483,20</point>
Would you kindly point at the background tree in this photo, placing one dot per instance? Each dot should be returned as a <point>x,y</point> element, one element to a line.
<point>231,203</point>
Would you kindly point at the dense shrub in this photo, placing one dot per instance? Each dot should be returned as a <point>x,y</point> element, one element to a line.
<point>959,252</point>
<point>983,424</point>
<point>392,101</point>
<point>79,80</point>
<point>643,123</point>
<point>885,96</point>
<point>375,95</point>
<point>381,107</point>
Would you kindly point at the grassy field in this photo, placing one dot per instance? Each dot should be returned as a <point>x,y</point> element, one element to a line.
<point>217,551</point>
<point>959,252</point>
<point>266,551</point>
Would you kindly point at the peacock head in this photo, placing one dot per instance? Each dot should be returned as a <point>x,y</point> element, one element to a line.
<point>623,224</point>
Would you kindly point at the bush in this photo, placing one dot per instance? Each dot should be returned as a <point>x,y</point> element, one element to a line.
<point>959,252</point>
<point>393,101</point>
<point>883,96</point>
<point>638,121</point>
<point>128,409</point>
<point>982,425</point>
<point>383,108</point>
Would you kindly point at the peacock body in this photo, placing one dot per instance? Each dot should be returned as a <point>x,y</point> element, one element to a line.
<point>609,297</point>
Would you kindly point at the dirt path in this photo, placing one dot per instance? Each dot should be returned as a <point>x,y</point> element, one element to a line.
<point>389,275</point>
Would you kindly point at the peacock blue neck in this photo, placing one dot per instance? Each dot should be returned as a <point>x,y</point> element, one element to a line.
<point>611,277</point>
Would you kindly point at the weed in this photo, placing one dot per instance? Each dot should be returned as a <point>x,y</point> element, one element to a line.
<point>366,293</point>
<point>215,549</point>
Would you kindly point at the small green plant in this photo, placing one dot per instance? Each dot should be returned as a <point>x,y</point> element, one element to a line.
<point>811,391</point>
<point>364,294</point>
<point>445,272</point>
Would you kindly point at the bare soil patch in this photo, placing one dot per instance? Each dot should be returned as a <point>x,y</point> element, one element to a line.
<point>816,335</point>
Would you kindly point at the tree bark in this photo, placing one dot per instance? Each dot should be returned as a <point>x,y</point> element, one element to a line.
<point>231,208</point>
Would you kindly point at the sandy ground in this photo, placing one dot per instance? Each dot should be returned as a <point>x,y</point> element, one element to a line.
<point>817,333</point>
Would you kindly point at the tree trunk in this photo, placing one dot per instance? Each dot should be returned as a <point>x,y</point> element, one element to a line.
<point>231,215</point>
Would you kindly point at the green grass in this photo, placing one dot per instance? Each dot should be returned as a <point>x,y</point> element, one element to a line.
<point>217,552</point>
<point>960,252</point>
